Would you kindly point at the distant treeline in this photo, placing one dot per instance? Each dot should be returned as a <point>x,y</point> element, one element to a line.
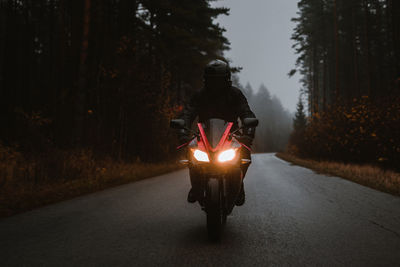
<point>275,125</point>
<point>349,57</point>
<point>348,49</point>
<point>104,75</point>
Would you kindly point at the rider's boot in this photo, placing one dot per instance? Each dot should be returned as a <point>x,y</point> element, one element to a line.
<point>191,198</point>
<point>242,197</point>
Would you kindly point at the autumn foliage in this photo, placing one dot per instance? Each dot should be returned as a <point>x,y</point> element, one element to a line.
<point>363,131</point>
<point>28,181</point>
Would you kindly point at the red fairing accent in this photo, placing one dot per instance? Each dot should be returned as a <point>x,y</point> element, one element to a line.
<point>204,145</point>
<point>248,148</point>
<point>224,142</point>
<point>183,145</point>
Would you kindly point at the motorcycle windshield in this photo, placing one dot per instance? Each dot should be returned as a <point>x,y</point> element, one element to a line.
<point>214,129</point>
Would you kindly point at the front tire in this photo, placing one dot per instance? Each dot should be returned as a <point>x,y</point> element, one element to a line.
<point>216,217</point>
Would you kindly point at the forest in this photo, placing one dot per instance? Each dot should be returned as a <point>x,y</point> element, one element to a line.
<point>349,59</point>
<point>272,135</point>
<point>104,75</point>
<point>88,89</point>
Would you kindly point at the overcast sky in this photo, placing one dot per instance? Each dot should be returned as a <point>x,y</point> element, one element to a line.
<point>259,32</point>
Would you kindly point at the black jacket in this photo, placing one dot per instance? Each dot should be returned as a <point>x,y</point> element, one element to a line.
<point>228,105</point>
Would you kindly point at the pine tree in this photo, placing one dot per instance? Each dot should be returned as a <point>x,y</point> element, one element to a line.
<point>299,120</point>
<point>91,67</point>
<point>275,122</point>
<point>347,49</point>
<point>248,91</point>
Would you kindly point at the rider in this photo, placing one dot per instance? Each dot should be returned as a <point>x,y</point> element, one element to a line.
<point>219,99</point>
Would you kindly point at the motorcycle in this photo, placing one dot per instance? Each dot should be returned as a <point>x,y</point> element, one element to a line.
<point>216,172</point>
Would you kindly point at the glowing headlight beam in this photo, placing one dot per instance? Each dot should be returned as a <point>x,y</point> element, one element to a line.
<point>201,156</point>
<point>227,155</point>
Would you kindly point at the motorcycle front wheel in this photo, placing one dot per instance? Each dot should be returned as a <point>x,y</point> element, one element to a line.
<point>216,217</point>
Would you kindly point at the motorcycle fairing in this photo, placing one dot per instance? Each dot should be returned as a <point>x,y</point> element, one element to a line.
<point>223,142</point>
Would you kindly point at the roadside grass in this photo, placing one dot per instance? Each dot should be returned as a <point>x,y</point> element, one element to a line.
<point>26,184</point>
<point>368,175</point>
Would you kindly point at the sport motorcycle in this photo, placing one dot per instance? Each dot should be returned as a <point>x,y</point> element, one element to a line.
<point>215,169</point>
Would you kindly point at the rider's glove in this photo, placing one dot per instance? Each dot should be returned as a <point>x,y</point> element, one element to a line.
<point>184,137</point>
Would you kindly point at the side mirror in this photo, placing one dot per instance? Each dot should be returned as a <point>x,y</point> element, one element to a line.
<point>177,124</point>
<point>250,122</point>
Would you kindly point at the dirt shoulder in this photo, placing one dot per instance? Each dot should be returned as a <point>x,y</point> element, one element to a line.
<point>21,195</point>
<point>371,176</point>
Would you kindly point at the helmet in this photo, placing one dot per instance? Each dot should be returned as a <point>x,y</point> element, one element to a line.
<point>217,68</point>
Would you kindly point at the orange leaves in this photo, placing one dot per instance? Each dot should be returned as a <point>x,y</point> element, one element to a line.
<point>178,108</point>
<point>364,131</point>
<point>35,118</point>
<point>111,73</point>
<point>125,44</point>
<point>348,116</point>
<point>316,115</point>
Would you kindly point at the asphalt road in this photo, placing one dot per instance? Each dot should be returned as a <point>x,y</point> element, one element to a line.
<point>292,217</point>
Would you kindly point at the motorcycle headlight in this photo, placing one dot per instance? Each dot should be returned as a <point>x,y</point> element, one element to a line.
<point>227,155</point>
<point>200,156</point>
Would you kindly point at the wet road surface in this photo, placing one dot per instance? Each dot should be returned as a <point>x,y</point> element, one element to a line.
<point>292,217</point>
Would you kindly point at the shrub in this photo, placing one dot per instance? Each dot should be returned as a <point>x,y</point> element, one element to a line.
<point>363,132</point>
<point>28,181</point>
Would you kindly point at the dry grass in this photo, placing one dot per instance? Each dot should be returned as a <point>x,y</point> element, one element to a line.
<point>371,176</point>
<point>29,183</point>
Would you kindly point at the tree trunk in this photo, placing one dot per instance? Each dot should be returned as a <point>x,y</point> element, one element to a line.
<point>366,35</point>
<point>83,70</point>
<point>315,79</point>
<point>380,84</point>
<point>337,88</point>
<point>395,16</point>
<point>355,54</point>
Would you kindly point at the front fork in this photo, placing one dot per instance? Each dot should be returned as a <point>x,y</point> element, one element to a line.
<point>229,185</point>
